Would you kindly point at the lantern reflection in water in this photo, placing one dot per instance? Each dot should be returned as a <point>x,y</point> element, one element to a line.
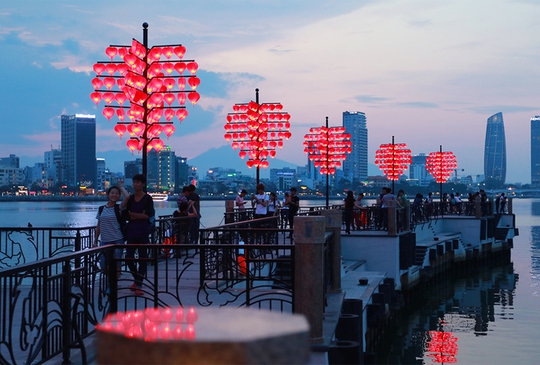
<point>153,324</point>
<point>442,347</point>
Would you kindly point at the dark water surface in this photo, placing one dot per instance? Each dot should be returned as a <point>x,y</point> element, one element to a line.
<point>490,317</point>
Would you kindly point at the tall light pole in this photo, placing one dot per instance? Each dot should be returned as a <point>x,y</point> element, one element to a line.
<point>393,159</point>
<point>327,147</point>
<point>256,130</point>
<point>148,86</point>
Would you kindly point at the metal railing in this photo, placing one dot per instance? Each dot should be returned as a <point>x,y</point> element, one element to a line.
<point>50,306</point>
<point>24,245</point>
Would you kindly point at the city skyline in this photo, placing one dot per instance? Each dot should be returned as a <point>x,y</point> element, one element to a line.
<point>428,73</point>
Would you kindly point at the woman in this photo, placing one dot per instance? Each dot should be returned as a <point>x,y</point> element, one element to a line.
<point>360,212</point>
<point>348,211</point>
<point>273,205</point>
<point>110,226</point>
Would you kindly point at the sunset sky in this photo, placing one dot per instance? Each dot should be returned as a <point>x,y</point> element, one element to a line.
<point>428,72</point>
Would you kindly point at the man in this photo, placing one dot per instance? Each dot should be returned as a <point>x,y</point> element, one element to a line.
<point>293,202</point>
<point>388,200</point>
<point>241,205</point>
<point>195,221</point>
<point>139,207</point>
<point>260,202</point>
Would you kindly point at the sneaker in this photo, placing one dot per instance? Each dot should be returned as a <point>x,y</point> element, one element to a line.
<point>133,287</point>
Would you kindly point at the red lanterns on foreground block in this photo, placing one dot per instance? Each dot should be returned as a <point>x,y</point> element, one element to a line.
<point>153,324</point>
<point>393,159</point>
<point>256,130</point>
<point>145,89</point>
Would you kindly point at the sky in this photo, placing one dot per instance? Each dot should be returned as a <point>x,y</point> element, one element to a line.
<point>429,73</point>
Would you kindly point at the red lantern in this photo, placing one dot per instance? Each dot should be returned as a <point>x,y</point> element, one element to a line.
<point>192,67</point>
<point>132,144</point>
<point>194,82</point>
<point>179,51</point>
<point>96,97</point>
<point>193,97</point>
<point>111,52</point>
<point>120,129</point>
<point>181,114</point>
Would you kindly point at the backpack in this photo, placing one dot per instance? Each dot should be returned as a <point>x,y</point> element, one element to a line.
<point>119,217</point>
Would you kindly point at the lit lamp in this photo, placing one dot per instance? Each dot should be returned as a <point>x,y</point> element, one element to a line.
<point>256,130</point>
<point>145,89</point>
<point>393,159</point>
<point>441,165</point>
<point>327,147</point>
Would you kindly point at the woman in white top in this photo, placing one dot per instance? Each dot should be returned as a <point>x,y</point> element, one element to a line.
<point>110,224</point>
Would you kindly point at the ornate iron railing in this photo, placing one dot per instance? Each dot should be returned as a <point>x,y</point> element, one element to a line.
<point>49,307</point>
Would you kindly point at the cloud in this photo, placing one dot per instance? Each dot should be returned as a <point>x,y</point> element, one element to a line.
<point>419,104</point>
<point>370,99</point>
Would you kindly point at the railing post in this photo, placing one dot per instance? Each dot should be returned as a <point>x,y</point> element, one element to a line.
<point>308,235</point>
<point>333,224</point>
<point>509,207</point>
<point>66,311</point>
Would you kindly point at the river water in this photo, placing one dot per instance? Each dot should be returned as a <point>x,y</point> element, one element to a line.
<point>489,318</point>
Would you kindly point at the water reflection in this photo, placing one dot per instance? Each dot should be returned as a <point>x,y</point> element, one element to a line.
<point>455,309</point>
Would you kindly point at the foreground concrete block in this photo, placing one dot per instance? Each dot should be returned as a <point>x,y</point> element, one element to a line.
<point>219,336</point>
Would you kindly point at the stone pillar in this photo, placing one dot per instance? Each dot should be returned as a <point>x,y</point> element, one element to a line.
<point>407,218</point>
<point>333,224</point>
<point>229,211</point>
<point>392,215</point>
<point>308,235</point>
<point>509,207</point>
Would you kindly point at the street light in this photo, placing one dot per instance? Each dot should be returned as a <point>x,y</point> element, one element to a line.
<point>145,89</point>
<point>327,147</point>
<point>393,159</point>
<point>256,130</point>
<point>441,165</point>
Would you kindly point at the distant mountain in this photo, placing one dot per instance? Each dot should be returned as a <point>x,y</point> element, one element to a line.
<point>226,157</point>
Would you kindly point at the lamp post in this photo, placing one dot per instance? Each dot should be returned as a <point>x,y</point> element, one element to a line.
<point>441,165</point>
<point>148,86</point>
<point>327,147</point>
<point>393,159</point>
<point>256,130</point>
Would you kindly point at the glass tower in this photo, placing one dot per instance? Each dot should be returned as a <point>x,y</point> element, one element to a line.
<point>355,167</point>
<point>78,146</point>
<point>495,152</point>
<point>535,150</point>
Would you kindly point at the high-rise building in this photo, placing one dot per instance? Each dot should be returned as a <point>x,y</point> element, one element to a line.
<point>535,150</point>
<point>132,168</point>
<point>78,146</point>
<point>11,161</point>
<point>495,152</point>
<point>355,167</point>
<point>418,172</point>
<point>161,169</point>
<point>53,163</point>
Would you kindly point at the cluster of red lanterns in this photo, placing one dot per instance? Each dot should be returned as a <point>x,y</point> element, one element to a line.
<point>393,159</point>
<point>153,324</point>
<point>327,147</point>
<point>443,347</point>
<point>145,92</point>
<point>257,130</point>
<point>441,165</point>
